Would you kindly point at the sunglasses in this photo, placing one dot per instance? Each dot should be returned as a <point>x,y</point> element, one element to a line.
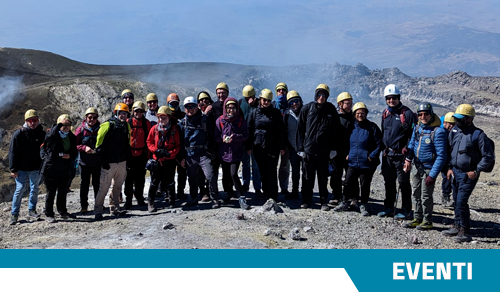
<point>152,102</point>
<point>422,114</point>
<point>91,117</point>
<point>266,100</point>
<point>174,103</point>
<point>391,98</point>
<point>291,102</point>
<point>231,108</point>
<point>139,111</point>
<point>189,107</point>
<point>125,98</point>
<point>32,120</point>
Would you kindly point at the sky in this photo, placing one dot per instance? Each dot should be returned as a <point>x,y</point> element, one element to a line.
<point>243,32</point>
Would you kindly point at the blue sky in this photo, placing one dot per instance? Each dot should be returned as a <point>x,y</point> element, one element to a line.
<point>243,32</point>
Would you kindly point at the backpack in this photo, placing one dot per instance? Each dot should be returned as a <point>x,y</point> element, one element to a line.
<point>475,137</point>
<point>401,115</point>
<point>144,125</point>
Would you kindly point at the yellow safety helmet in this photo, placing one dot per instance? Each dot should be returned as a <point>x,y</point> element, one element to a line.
<point>30,113</point>
<point>464,110</point>
<point>92,110</point>
<point>139,105</point>
<point>63,117</point>
<point>281,85</point>
<point>121,107</point>
<point>266,93</point>
<point>292,95</point>
<point>127,91</point>
<point>151,97</point>
<point>343,96</point>
<point>359,105</point>
<point>164,110</point>
<point>324,87</point>
<point>248,91</point>
<point>222,85</point>
<point>449,117</point>
<point>203,95</point>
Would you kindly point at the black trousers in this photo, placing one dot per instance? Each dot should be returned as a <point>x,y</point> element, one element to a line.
<point>267,164</point>
<point>315,164</point>
<point>336,179</point>
<point>181,178</point>
<point>89,172</point>
<point>351,189</point>
<point>136,175</point>
<point>165,174</point>
<point>232,170</point>
<point>392,170</point>
<point>227,182</point>
<point>55,185</point>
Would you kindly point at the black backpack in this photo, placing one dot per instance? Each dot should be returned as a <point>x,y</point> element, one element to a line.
<point>475,137</point>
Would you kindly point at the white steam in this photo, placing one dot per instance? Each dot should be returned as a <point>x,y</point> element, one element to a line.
<point>9,87</point>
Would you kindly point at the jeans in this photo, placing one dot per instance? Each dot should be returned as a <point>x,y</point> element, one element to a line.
<point>445,188</point>
<point>462,189</point>
<point>33,177</point>
<point>246,171</point>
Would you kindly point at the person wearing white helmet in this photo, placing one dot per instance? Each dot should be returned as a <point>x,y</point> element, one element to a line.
<point>197,133</point>
<point>397,128</point>
<point>25,162</point>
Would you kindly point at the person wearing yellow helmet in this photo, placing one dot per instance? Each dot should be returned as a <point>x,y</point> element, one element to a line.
<point>267,141</point>
<point>317,144</point>
<point>447,122</point>
<point>173,102</point>
<point>204,101</point>
<point>363,157</point>
<point>281,103</point>
<point>89,161</point>
<point>58,150</point>
<point>128,98</point>
<point>25,162</point>
<point>291,120</point>
<point>164,143</point>
<point>471,152</point>
<point>249,167</point>
<point>136,164</point>
<point>113,146</point>
<point>152,102</point>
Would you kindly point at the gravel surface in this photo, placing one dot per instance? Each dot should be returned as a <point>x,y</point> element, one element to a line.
<point>230,227</point>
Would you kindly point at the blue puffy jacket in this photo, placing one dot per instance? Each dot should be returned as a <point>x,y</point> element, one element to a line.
<point>427,146</point>
<point>365,141</point>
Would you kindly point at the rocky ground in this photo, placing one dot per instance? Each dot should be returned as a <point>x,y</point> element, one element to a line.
<point>230,227</point>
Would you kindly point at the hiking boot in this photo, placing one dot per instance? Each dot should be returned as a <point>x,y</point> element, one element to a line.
<point>141,203</point>
<point>333,202</point>
<point>451,231</point>
<point>463,236</point>
<point>243,203</point>
<point>215,204</point>
<point>181,195</point>
<point>354,206</point>
<point>413,223</point>
<point>341,207</point>
<point>118,213</point>
<point>98,217</point>
<point>245,188</point>
<point>403,215</point>
<point>33,214</point>
<point>191,202</point>
<point>128,205</point>
<point>426,225</point>
<point>292,195</point>
<point>151,207</point>
<point>449,204</point>
<point>325,207</point>
<point>305,205</point>
<point>206,198</point>
<point>386,213</point>
<point>13,219</point>
<point>67,216</point>
<point>50,219</point>
<point>84,210</point>
<point>363,209</point>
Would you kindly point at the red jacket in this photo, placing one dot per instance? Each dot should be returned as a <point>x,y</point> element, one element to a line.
<point>138,135</point>
<point>172,141</point>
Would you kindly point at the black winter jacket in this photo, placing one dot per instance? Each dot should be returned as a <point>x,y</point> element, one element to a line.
<point>53,164</point>
<point>319,129</point>
<point>395,134</point>
<point>24,151</point>
<point>266,129</point>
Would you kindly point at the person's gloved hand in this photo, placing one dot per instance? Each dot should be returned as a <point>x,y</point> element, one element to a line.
<point>429,181</point>
<point>106,166</point>
<point>333,153</point>
<point>301,154</point>
<point>162,153</point>
<point>404,150</point>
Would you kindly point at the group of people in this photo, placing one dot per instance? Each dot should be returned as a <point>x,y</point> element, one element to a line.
<point>317,139</point>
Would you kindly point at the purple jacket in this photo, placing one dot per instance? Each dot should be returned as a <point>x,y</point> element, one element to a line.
<point>235,126</point>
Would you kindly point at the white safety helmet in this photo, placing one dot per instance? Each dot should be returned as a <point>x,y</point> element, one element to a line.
<point>190,100</point>
<point>391,89</point>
